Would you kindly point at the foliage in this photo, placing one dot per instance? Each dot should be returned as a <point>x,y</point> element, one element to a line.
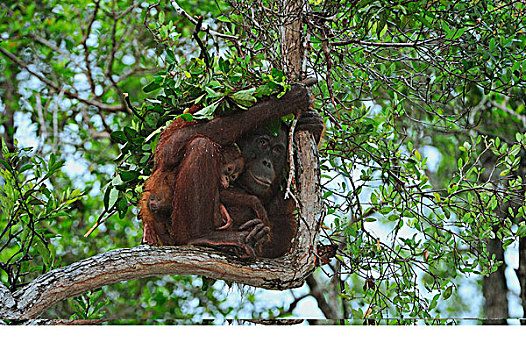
<point>88,306</point>
<point>30,207</point>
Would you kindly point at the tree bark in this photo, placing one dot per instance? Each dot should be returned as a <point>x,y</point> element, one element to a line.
<point>9,85</point>
<point>521,275</point>
<point>291,38</point>
<point>144,261</point>
<point>495,289</point>
<point>294,52</point>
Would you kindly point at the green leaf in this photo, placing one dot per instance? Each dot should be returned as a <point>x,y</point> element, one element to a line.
<point>208,112</point>
<point>114,195</point>
<point>374,198</point>
<point>26,167</point>
<point>459,33</point>
<point>5,150</point>
<point>117,181</point>
<point>151,87</point>
<point>223,19</point>
<point>492,44</point>
<point>386,210</point>
<point>327,194</point>
<point>170,56</point>
<point>118,137</point>
<point>418,156</point>
<point>447,293</point>
<point>434,302</point>
<point>244,98</point>
<point>393,217</point>
<point>122,207</point>
<point>129,175</point>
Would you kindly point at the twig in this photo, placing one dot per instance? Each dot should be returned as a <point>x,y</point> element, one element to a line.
<point>503,107</point>
<point>55,120</point>
<point>111,56</point>
<point>40,113</point>
<point>183,13</point>
<point>100,220</point>
<point>288,192</point>
<point>204,52</point>
<point>130,106</point>
<point>86,51</point>
<point>383,44</point>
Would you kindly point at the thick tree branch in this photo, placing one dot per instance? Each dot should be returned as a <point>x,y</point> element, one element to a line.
<point>144,261</point>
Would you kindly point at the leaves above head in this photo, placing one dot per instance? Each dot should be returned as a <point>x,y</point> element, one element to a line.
<point>226,84</point>
<point>274,127</point>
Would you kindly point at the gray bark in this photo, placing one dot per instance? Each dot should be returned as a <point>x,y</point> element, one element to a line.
<point>521,275</point>
<point>495,289</point>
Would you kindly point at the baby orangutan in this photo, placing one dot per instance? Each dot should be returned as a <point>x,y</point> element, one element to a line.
<point>232,165</point>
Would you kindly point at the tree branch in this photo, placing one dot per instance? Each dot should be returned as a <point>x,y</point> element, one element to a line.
<point>503,107</point>
<point>86,49</point>
<point>144,261</point>
<point>317,292</point>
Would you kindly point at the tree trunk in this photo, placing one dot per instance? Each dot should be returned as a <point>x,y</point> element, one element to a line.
<point>521,275</point>
<point>10,102</point>
<point>294,56</point>
<point>495,289</point>
<point>291,38</point>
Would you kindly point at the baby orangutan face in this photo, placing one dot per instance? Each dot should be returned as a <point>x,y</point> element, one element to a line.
<point>231,167</point>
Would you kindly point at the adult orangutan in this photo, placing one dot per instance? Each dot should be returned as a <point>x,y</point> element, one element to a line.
<point>191,151</point>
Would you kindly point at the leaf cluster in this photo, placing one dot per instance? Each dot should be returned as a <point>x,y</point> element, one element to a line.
<point>30,206</point>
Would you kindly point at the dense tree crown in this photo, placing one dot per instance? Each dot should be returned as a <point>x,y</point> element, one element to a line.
<point>421,161</point>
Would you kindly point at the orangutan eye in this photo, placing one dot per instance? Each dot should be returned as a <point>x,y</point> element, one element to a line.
<point>263,142</point>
